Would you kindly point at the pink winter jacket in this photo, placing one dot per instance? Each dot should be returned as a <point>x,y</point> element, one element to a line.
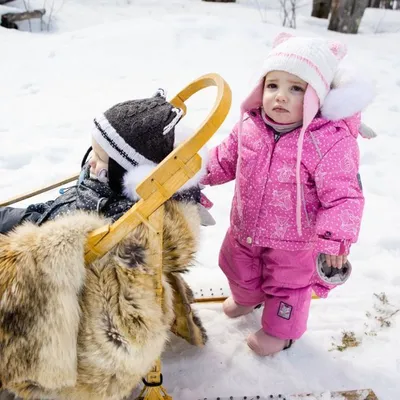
<point>264,204</point>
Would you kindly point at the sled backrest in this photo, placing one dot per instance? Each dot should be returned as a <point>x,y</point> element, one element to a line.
<point>166,179</point>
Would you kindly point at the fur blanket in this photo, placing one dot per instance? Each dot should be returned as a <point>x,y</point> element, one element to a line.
<point>75,331</point>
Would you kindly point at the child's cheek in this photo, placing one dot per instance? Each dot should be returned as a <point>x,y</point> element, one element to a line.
<point>300,108</point>
<point>102,165</point>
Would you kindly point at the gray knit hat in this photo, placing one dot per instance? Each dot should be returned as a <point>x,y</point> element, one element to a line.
<point>136,132</point>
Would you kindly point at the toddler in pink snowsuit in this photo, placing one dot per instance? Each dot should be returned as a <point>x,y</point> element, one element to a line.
<point>298,199</point>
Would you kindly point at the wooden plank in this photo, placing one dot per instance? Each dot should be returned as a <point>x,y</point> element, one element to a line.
<point>361,394</point>
<point>217,294</point>
<point>41,190</point>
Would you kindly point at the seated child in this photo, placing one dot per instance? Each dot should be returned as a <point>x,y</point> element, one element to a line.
<point>93,329</point>
<point>128,141</point>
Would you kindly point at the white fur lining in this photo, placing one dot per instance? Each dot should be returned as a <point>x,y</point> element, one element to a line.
<point>137,174</point>
<point>348,96</point>
<point>133,177</point>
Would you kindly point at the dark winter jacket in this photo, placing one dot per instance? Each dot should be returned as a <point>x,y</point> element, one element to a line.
<point>88,194</point>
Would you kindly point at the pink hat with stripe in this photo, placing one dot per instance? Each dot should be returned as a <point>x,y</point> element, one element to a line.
<point>315,61</point>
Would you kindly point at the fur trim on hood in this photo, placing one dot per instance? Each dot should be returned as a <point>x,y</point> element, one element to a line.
<point>349,95</point>
<point>137,174</point>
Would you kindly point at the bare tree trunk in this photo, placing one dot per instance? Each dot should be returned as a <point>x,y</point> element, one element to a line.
<point>288,9</point>
<point>321,8</point>
<point>346,15</point>
<point>335,6</point>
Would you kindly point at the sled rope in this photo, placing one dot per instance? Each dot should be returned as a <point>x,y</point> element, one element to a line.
<point>36,192</point>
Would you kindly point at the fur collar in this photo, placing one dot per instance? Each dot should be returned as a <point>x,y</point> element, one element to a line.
<point>349,95</point>
<point>137,174</point>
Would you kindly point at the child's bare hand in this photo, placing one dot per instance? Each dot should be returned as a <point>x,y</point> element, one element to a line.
<point>335,261</point>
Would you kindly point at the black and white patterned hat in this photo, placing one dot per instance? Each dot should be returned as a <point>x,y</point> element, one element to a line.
<point>136,133</point>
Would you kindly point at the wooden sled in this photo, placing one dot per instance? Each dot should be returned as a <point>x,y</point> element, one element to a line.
<point>166,179</point>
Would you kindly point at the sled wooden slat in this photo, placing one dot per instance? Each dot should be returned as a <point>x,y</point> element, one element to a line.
<point>217,294</point>
<point>361,394</point>
<point>154,376</point>
<point>44,189</point>
<point>193,144</point>
<point>221,299</point>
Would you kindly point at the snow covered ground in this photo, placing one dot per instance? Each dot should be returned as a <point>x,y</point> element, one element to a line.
<point>96,53</point>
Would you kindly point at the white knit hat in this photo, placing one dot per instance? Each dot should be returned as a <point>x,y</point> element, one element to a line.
<point>314,60</point>
<point>311,59</point>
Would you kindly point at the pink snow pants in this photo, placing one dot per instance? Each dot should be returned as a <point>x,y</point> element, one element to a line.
<point>279,279</point>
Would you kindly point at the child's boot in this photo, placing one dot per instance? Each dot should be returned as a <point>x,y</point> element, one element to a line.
<point>265,345</point>
<point>234,310</point>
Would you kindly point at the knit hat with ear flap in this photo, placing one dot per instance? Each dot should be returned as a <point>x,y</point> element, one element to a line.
<point>137,135</point>
<point>313,60</point>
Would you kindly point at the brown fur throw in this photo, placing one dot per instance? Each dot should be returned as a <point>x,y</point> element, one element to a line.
<point>84,332</point>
